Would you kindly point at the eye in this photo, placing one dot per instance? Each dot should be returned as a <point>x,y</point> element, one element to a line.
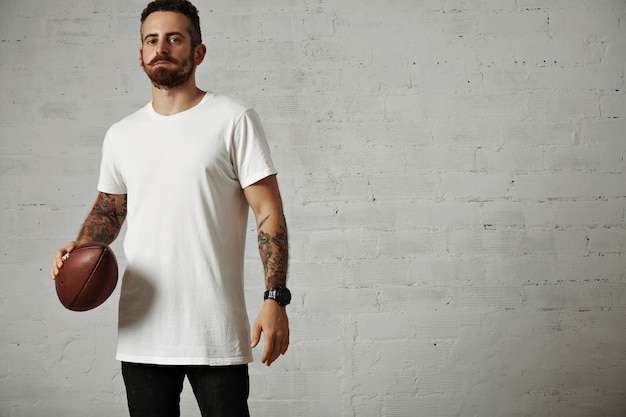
<point>174,40</point>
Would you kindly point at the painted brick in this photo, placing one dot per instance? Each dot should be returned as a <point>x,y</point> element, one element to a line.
<point>603,159</point>
<point>613,106</point>
<point>428,215</point>
<point>384,326</point>
<point>476,187</point>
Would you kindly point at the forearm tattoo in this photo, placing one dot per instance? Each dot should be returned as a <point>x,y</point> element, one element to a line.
<point>104,222</point>
<point>274,251</point>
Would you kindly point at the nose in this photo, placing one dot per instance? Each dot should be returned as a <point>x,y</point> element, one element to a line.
<point>162,47</point>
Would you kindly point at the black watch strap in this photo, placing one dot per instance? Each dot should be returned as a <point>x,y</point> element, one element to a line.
<point>281,295</point>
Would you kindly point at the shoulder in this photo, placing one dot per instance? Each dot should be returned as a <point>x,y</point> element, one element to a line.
<point>234,108</point>
<point>138,117</point>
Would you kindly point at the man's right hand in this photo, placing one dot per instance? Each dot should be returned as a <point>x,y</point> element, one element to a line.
<point>59,257</point>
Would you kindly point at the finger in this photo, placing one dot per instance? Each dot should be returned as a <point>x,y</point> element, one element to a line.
<point>268,352</point>
<point>285,345</point>
<point>58,258</point>
<point>61,255</point>
<point>271,358</point>
<point>70,246</point>
<point>275,356</point>
<point>57,263</point>
<point>279,347</point>
<point>256,335</point>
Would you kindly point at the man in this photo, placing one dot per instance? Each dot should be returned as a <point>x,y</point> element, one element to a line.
<point>184,171</point>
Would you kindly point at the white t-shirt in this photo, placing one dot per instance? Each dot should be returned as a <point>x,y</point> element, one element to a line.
<point>182,296</point>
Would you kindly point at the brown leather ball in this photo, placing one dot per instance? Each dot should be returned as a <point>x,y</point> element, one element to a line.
<point>88,277</point>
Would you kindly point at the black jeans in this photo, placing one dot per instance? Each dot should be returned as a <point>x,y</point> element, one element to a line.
<point>154,390</point>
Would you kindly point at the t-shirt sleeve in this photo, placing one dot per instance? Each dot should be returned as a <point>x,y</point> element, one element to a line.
<point>251,154</point>
<point>110,181</point>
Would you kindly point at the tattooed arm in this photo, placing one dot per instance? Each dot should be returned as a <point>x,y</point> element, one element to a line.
<point>264,199</point>
<point>103,224</point>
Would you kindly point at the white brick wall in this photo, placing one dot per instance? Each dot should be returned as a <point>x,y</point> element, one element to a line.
<point>453,173</point>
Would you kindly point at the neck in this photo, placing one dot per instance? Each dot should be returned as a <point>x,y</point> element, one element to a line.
<point>171,101</point>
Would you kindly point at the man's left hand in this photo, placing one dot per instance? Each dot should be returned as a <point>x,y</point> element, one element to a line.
<point>273,322</point>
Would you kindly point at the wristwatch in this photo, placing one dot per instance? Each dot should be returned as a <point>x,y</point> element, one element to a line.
<point>281,295</point>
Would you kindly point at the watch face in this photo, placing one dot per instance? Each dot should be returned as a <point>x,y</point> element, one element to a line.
<point>283,296</point>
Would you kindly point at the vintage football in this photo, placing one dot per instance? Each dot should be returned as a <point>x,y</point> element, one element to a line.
<point>88,276</point>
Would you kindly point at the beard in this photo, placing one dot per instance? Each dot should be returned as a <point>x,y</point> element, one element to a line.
<point>169,77</point>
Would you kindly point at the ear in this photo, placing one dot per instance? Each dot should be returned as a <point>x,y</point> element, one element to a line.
<point>199,54</point>
<point>141,54</point>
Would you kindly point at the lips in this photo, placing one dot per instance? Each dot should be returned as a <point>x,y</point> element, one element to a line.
<point>161,60</point>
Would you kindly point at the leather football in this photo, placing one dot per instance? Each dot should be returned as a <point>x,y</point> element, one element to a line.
<point>88,277</point>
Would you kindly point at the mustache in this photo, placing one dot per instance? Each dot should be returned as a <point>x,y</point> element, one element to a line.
<point>166,58</point>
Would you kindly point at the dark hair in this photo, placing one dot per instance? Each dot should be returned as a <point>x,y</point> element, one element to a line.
<point>179,6</point>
